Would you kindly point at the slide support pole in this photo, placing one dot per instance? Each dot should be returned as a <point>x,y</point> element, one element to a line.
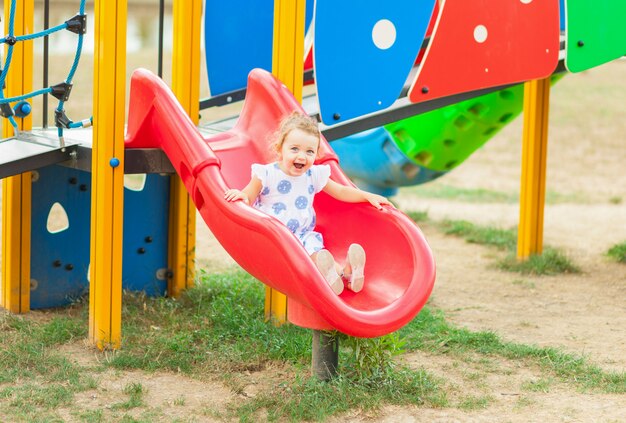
<point>187,16</point>
<point>325,357</point>
<point>533,179</point>
<point>288,67</point>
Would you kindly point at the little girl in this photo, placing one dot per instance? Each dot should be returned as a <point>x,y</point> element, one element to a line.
<point>285,189</point>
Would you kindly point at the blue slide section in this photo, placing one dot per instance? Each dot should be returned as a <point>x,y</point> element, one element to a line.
<point>374,162</point>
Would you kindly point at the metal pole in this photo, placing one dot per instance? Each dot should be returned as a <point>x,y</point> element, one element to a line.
<point>325,357</point>
<point>46,25</point>
<point>107,175</point>
<point>187,21</point>
<point>161,17</point>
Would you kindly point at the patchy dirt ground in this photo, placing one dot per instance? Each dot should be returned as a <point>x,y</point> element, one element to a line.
<point>584,314</point>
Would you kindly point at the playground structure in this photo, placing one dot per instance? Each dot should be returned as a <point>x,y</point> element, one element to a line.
<point>109,161</point>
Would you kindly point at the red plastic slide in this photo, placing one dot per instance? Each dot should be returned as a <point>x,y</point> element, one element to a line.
<point>400,269</point>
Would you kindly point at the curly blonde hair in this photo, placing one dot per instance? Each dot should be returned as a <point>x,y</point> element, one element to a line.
<point>295,120</point>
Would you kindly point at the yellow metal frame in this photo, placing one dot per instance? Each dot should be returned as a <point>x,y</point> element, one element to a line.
<point>107,200</point>
<point>288,44</point>
<point>186,86</point>
<point>534,157</point>
<point>16,190</point>
<point>287,66</point>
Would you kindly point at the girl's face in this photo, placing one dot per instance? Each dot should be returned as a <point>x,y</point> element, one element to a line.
<point>298,152</point>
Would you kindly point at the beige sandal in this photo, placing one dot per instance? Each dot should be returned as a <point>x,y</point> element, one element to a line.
<point>356,259</point>
<point>326,265</point>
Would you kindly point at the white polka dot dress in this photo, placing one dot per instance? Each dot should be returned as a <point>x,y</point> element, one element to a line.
<point>290,199</point>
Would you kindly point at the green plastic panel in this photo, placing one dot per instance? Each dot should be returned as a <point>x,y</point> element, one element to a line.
<point>595,33</point>
<point>442,139</point>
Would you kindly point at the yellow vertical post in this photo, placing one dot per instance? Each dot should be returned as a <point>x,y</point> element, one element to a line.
<point>186,86</point>
<point>107,199</point>
<point>16,190</point>
<point>287,66</point>
<point>534,155</point>
<point>288,47</point>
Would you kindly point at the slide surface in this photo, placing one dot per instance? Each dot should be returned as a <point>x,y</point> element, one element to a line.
<point>400,269</point>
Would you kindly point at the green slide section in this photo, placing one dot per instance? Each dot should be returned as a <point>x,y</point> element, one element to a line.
<point>442,139</point>
<point>595,33</point>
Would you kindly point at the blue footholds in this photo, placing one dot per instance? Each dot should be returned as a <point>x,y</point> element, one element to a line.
<point>114,162</point>
<point>22,109</point>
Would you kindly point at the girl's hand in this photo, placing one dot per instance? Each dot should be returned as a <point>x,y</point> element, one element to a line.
<point>234,195</point>
<point>377,200</point>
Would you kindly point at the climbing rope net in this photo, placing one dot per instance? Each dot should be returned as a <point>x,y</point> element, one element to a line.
<point>61,91</point>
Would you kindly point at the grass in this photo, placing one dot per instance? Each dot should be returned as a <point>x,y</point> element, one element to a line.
<point>550,262</point>
<point>618,252</point>
<point>542,385</point>
<point>431,332</point>
<point>418,216</point>
<point>205,327</point>
<point>502,239</point>
<point>310,399</point>
<point>35,378</point>
<point>216,331</point>
<point>218,327</point>
<point>471,403</point>
<point>135,392</point>
<point>442,191</point>
<point>448,192</point>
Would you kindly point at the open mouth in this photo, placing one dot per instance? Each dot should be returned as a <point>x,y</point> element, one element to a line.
<point>298,165</point>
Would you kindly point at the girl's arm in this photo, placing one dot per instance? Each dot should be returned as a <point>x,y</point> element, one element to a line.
<point>354,195</point>
<point>250,192</point>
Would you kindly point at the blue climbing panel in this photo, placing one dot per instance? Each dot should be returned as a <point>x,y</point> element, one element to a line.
<point>146,215</point>
<point>60,260</point>
<point>363,53</point>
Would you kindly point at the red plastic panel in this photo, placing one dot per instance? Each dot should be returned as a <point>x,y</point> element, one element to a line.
<point>400,269</point>
<point>486,43</point>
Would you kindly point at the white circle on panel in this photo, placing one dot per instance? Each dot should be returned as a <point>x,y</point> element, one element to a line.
<point>480,33</point>
<point>526,1</point>
<point>384,34</point>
